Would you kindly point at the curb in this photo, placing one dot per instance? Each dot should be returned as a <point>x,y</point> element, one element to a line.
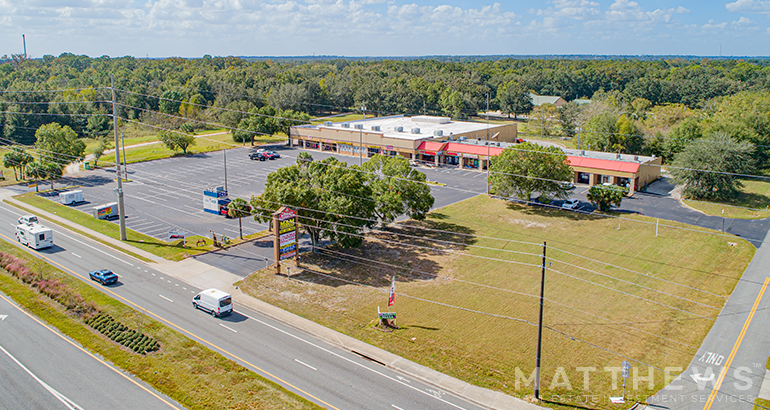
<point>203,275</point>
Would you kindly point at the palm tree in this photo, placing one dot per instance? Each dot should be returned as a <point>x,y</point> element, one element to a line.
<point>238,208</point>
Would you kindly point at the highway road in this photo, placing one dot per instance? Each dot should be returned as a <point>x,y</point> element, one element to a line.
<point>327,375</point>
<point>41,369</point>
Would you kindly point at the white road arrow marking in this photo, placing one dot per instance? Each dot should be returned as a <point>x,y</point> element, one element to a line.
<point>2,317</point>
<point>698,379</point>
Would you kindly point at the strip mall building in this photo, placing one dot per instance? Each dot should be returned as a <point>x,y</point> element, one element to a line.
<point>469,145</point>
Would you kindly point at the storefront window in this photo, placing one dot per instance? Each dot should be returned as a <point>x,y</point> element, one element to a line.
<point>584,178</point>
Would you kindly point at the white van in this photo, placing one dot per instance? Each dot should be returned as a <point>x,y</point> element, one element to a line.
<point>35,236</point>
<point>214,301</point>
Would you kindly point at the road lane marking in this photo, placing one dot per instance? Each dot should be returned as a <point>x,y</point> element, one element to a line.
<point>305,364</point>
<point>166,298</point>
<point>351,361</point>
<point>84,350</point>
<point>181,329</point>
<point>396,407</point>
<point>62,398</point>
<point>737,344</point>
<point>75,254</point>
<point>228,328</point>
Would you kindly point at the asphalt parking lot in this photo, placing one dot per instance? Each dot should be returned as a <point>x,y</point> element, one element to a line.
<point>168,194</point>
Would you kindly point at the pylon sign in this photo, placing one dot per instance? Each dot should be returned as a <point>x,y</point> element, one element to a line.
<point>285,233</point>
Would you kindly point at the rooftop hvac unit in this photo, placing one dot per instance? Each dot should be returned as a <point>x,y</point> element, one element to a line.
<point>451,138</point>
<point>415,130</point>
<point>636,158</point>
<point>399,129</point>
<point>618,156</point>
<point>359,126</point>
<point>328,123</point>
<point>438,133</point>
<point>345,125</point>
<point>583,153</point>
<point>498,144</point>
<point>462,138</point>
<point>375,127</point>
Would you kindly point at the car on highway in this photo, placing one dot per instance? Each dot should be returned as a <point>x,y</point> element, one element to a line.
<point>261,156</point>
<point>570,204</point>
<point>103,276</point>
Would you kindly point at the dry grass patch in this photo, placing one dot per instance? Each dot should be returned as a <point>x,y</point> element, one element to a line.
<point>467,307</point>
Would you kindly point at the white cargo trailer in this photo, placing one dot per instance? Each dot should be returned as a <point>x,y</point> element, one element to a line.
<point>106,211</point>
<point>71,197</point>
<point>35,236</point>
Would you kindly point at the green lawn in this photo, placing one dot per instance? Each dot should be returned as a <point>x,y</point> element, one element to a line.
<point>184,370</point>
<point>752,203</point>
<point>175,251</point>
<point>487,349</point>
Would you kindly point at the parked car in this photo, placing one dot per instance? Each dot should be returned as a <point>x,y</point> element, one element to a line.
<point>270,155</point>
<point>258,156</point>
<point>569,185</point>
<point>412,162</point>
<point>103,276</point>
<point>274,154</point>
<point>570,204</point>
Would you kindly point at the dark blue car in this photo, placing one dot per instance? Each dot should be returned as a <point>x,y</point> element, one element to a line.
<point>104,276</point>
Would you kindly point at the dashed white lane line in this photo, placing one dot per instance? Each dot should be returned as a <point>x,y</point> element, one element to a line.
<point>166,298</point>
<point>305,364</point>
<point>396,407</point>
<point>76,255</point>
<point>228,328</point>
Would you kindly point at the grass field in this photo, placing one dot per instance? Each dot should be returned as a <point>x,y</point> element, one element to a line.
<point>182,369</point>
<point>752,203</point>
<point>624,290</point>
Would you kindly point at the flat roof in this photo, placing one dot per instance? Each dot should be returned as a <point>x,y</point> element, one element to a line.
<point>427,125</point>
<point>640,159</point>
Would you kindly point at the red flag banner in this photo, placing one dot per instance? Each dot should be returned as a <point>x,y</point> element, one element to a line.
<point>392,297</point>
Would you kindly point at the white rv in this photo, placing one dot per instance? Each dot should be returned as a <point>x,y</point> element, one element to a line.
<point>35,236</point>
<point>214,301</point>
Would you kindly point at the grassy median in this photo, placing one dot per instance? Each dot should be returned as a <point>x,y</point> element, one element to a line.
<point>184,370</point>
<point>614,291</point>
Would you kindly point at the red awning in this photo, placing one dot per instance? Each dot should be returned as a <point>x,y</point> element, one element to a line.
<point>431,146</point>
<point>482,150</point>
<point>603,164</point>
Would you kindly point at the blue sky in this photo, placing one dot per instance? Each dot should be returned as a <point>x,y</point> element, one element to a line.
<point>192,28</point>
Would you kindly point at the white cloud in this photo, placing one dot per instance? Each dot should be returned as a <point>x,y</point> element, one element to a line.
<point>571,9</point>
<point>749,6</point>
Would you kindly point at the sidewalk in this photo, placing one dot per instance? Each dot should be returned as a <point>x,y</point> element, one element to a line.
<point>204,276</point>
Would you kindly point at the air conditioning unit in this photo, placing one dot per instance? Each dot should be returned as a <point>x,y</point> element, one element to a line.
<point>462,138</point>
<point>451,138</point>
<point>636,158</point>
<point>328,123</point>
<point>358,126</point>
<point>583,153</point>
<point>415,130</point>
<point>618,156</point>
<point>498,144</point>
<point>375,127</point>
<point>345,125</point>
<point>438,133</point>
<point>399,129</point>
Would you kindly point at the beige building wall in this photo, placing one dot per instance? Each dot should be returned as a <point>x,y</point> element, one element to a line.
<point>649,171</point>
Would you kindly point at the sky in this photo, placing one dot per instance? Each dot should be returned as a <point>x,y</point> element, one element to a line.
<point>356,28</point>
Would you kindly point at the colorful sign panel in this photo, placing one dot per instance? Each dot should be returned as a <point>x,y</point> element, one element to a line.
<point>285,231</point>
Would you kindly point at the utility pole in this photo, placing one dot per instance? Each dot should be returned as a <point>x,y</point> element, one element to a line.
<point>225,157</point>
<point>488,157</point>
<point>125,164</point>
<point>119,190</point>
<point>24,40</point>
<point>540,328</point>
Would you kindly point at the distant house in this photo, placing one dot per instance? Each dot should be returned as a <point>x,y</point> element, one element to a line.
<point>581,101</point>
<point>538,100</point>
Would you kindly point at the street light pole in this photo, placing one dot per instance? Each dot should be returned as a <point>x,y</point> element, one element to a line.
<point>361,139</point>
<point>119,189</point>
